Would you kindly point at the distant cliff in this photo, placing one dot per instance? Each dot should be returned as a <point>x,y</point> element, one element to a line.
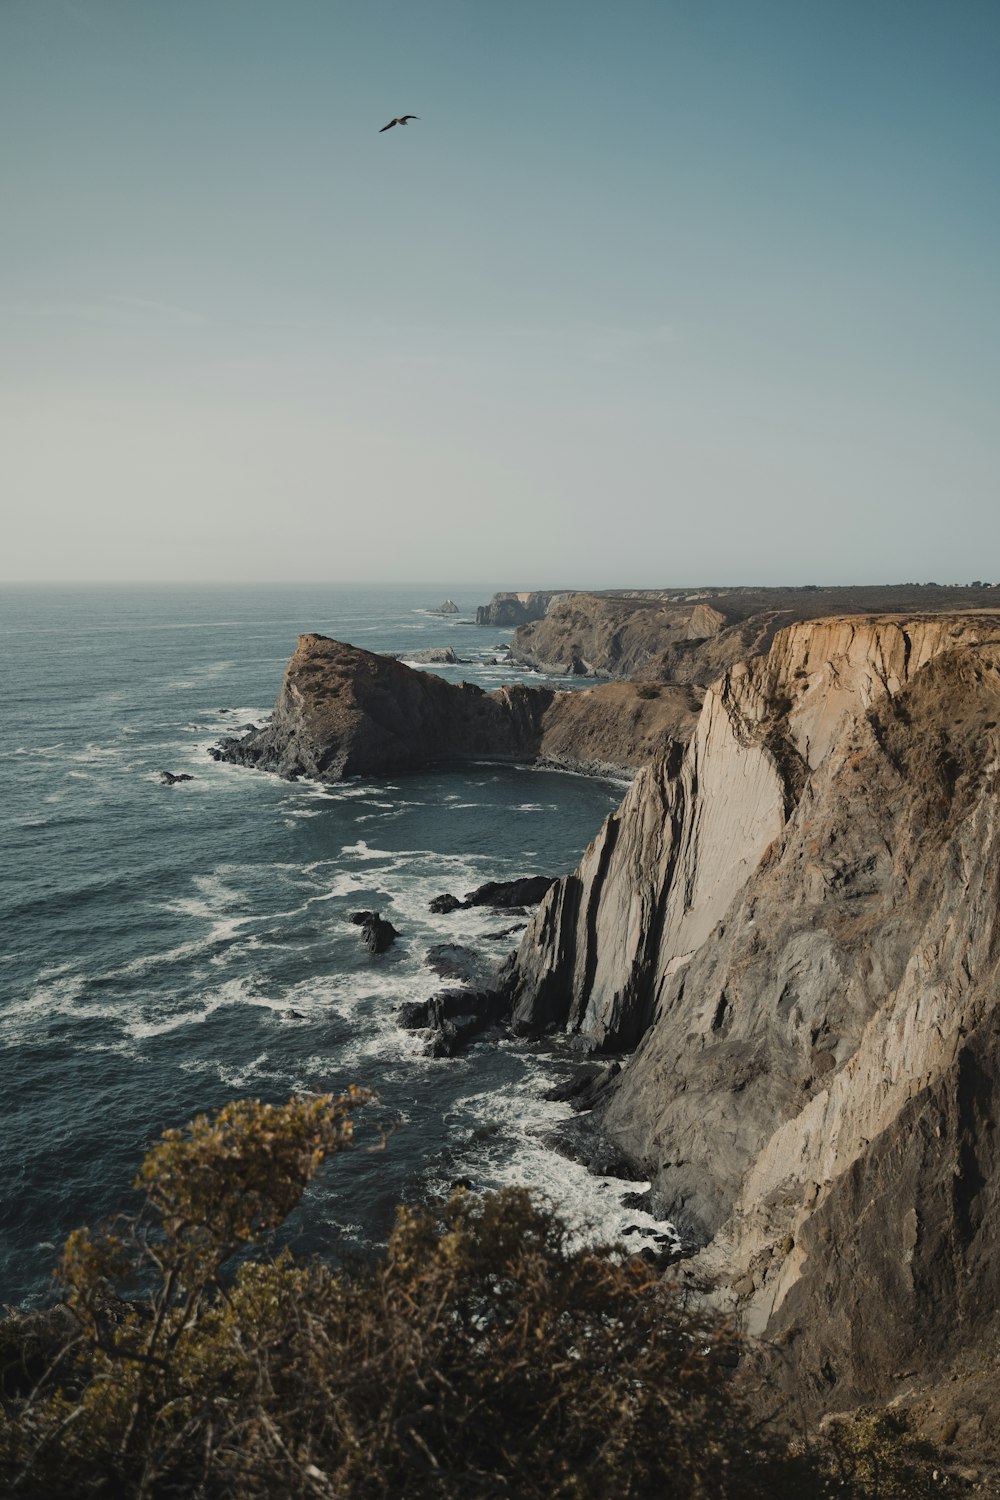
<point>344,712</point>
<point>696,635</point>
<point>514,609</point>
<point>796,924</point>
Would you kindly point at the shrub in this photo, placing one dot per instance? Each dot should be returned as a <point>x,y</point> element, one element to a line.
<point>482,1356</point>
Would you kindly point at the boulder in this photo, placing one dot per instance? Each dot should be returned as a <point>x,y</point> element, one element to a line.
<point>168,778</point>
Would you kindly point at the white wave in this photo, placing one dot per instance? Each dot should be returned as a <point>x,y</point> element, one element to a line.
<point>95,755</point>
<point>162,1020</point>
<point>591,1205</point>
<point>360,850</point>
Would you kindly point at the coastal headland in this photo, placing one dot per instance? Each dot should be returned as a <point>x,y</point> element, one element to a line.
<point>788,936</point>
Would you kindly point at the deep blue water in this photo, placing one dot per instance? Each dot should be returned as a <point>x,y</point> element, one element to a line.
<point>165,949</point>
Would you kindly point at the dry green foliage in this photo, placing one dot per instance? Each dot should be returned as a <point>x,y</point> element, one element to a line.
<point>482,1357</point>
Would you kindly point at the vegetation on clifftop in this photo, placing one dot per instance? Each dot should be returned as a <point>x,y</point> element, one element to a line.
<point>483,1355</point>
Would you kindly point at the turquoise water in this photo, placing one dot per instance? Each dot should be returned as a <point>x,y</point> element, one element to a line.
<point>168,948</point>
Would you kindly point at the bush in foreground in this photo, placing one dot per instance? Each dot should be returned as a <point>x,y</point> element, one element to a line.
<point>482,1357</point>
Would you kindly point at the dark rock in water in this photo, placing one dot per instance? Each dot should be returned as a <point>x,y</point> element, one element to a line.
<point>292,1015</point>
<point>452,961</point>
<point>412,1015</point>
<point>641,1201</point>
<point>584,1089</point>
<point>169,779</point>
<point>503,894</point>
<point>506,932</point>
<point>452,1018</point>
<point>378,934</point>
<point>447,607</point>
<point>581,1140</point>
<point>444,904</point>
<point>466,1185</point>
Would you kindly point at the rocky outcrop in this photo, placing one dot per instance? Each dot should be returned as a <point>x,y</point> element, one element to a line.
<point>514,609</point>
<point>342,712</point>
<point>500,895</point>
<point>796,924</point>
<point>447,607</point>
<point>378,934</point>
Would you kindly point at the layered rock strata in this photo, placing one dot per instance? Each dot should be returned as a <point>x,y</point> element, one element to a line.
<point>342,712</point>
<point>796,923</point>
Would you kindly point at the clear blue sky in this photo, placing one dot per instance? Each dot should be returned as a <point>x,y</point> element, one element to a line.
<point>698,290</point>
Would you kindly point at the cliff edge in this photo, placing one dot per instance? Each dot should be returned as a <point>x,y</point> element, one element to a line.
<point>795,922</point>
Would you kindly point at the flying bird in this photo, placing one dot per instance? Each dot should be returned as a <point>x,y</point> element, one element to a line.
<point>399,120</point>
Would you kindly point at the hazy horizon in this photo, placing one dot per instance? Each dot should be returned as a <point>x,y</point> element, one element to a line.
<point>671,292</point>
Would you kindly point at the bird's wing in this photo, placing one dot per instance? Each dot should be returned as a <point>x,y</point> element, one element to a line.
<point>389,126</point>
<point>409,117</point>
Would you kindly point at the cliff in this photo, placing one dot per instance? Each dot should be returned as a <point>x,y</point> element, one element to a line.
<point>343,712</point>
<point>696,636</point>
<point>796,923</point>
<point>514,609</point>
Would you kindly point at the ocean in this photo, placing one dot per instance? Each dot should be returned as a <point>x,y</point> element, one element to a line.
<point>168,948</point>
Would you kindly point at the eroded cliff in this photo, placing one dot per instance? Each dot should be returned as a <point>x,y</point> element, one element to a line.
<point>343,712</point>
<point>796,922</point>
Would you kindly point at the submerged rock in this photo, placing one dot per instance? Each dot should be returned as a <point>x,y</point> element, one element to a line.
<point>168,778</point>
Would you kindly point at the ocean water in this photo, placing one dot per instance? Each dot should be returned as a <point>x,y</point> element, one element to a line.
<point>165,949</point>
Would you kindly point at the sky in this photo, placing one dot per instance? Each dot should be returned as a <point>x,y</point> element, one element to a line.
<point>651,293</point>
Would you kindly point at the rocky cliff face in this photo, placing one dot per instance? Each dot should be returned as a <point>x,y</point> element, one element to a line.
<point>345,712</point>
<point>514,609</point>
<point>618,636</point>
<point>796,921</point>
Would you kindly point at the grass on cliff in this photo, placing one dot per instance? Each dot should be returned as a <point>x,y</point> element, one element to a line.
<point>482,1356</point>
